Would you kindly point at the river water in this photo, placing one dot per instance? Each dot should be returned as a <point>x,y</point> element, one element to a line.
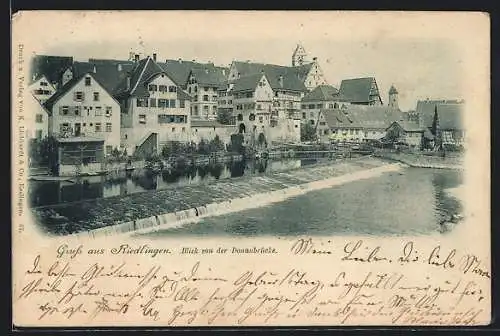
<point>415,202</point>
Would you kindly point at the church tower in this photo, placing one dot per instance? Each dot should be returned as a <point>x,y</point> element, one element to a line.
<point>299,56</point>
<point>393,98</point>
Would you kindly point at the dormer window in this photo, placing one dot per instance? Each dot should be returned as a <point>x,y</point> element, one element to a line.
<point>88,81</point>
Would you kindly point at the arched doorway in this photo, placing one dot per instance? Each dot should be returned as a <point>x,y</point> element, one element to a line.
<point>242,128</point>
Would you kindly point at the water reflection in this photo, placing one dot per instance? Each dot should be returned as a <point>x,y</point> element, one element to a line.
<point>123,183</point>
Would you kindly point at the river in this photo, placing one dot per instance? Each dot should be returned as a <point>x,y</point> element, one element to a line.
<point>415,202</point>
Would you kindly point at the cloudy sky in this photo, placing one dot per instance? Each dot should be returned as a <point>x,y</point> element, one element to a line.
<point>422,55</point>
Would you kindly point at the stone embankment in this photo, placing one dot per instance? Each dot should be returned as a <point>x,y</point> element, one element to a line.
<point>173,207</point>
<point>425,161</point>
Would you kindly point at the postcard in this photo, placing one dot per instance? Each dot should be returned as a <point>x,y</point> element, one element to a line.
<point>247,168</point>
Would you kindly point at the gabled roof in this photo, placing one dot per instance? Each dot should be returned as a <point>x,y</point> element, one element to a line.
<point>143,72</point>
<point>246,83</point>
<point>178,70</point>
<point>208,76</point>
<point>409,126</point>
<point>106,72</point>
<point>66,88</point>
<point>357,90</point>
<point>321,93</point>
<point>51,66</point>
<point>293,77</point>
<point>370,117</point>
<point>450,113</point>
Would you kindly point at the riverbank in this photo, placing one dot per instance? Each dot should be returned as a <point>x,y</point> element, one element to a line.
<point>424,161</point>
<point>169,207</point>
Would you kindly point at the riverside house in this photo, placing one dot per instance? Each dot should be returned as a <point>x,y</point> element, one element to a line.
<point>154,109</point>
<point>407,132</point>
<point>84,108</point>
<point>203,84</point>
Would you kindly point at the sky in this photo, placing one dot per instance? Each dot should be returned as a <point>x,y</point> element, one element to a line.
<point>411,53</point>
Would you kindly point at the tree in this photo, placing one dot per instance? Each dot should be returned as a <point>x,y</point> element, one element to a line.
<point>203,147</point>
<point>216,144</point>
<point>225,117</point>
<point>308,132</point>
<point>236,145</point>
<point>435,129</point>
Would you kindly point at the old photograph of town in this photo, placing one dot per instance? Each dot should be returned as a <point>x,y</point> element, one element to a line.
<point>201,135</point>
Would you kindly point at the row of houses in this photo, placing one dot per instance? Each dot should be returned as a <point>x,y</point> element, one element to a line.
<point>141,103</point>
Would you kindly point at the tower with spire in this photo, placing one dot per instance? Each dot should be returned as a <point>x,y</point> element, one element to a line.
<point>393,98</point>
<point>299,56</point>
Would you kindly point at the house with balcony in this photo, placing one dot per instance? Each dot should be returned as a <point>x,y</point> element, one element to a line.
<point>154,109</point>
<point>84,108</point>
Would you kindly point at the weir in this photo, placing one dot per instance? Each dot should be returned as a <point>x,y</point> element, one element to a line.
<point>278,187</point>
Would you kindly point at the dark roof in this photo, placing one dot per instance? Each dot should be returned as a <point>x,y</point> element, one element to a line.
<point>359,90</point>
<point>179,70</point>
<point>293,77</point>
<point>109,73</point>
<point>246,83</point>
<point>51,66</point>
<point>143,72</point>
<point>66,87</point>
<point>321,93</point>
<point>409,126</point>
<point>393,90</point>
<point>450,113</point>
<point>208,76</point>
<point>370,117</point>
<point>208,123</point>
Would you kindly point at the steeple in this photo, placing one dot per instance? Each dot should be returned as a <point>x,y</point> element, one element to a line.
<point>299,56</point>
<point>393,98</point>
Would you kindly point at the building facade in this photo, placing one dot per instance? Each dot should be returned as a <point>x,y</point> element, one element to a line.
<point>37,119</point>
<point>42,89</point>
<point>154,108</point>
<point>83,108</point>
<point>203,86</point>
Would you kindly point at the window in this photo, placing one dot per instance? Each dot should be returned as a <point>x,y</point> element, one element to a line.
<point>79,96</point>
<point>163,88</point>
<point>205,108</point>
<point>152,102</point>
<point>109,149</point>
<point>173,129</point>
<point>38,134</point>
<point>96,96</point>
<point>322,123</point>
<point>42,83</point>
<point>249,94</point>
<point>195,89</point>
<point>77,110</point>
<point>196,98</point>
<point>64,110</point>
<point>214,98</point>
<point>319,106</point>
<point>172,103</point>
<point>184,129</point>
<point>98,127</point>
<point>259,107</point>
<point>261,119</point>
<point>312,122</point>
<point>214,109</point>
<point>205,97</point>
<point>182,104</point>
<point>142,118</point>
<point>142,102</point>
<point>108,127</point>
<point>64,127</point>
<point>240,117</point>
<point>303,106</point>
<point>303,115</point>
<point>189,89</point>
<point>205,88</point>
<point>335,105</point>
<point>163,103</point>
<point>98,111</point>
<point>251,117</point>
<point>195,110</point>
<point>39,118</point>
<point>152,87</point>
<point>109,111</point>
<point>172,89</point>
<point>88,81</point>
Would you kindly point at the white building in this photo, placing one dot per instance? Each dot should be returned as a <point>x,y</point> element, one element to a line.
<point>83,108</point>
<point>37,118</point>
<point>42,89</point>
<point>155,109</point>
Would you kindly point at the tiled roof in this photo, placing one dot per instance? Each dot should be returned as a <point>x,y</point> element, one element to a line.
<point>106,72</point>
<point>293,77</point>
<point>67,87</point>
<point>370,117</point>
<point>51,66</point>
<point>179,70</point>
<point>246,83</point>
<point>410,126</point>
<point>143,72</point>
<point>208,76</point>
<point>357,90</point>
<point>321,93</point>
<point>450,113</point>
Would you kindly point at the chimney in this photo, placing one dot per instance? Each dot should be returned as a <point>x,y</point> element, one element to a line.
<point>136,57</point>
<point>180,60</point>
<point>154,57</point>
<point>94,70</point>
<point>120,67</point>
<point>280,80</point>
